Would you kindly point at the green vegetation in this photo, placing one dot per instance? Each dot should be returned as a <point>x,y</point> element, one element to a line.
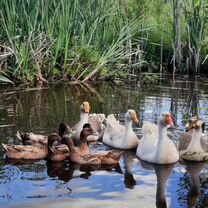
<point>51,40</point>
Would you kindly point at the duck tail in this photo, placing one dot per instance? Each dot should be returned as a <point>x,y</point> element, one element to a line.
<point>4,146</point>
<point>18,134</point>
<point>111,120</point>
<point>51,149</point>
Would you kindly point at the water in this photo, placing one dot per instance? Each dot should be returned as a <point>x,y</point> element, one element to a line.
<point>130,184</point>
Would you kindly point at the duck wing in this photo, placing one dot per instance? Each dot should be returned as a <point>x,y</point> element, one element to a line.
<point>149,128</point>
<point>31,138</point>
<point>114,128</point>
<point>96,122</point>
<point>62,148</point>
<point>148,142</point>
<point>184,141</point>
<point>15,148</point>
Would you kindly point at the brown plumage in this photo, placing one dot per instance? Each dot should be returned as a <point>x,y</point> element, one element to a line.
<point>192,146</point>
<point>36,147</point>
<point>186,137</point>
<point>56,150</point>
<point>25,152</point>
<point>77,157</point>
<point>29,138</point>
<point>81,153</point>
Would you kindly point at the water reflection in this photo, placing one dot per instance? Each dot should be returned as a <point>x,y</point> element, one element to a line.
<point>41,111</point>
<point>162,172</point>
<point>67,171</point>
<point>128,160</point>
<point>191,181</point>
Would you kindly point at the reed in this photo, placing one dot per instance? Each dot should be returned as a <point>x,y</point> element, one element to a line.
<point>196,15</point>
<point>81,40</point>
<point>74,40</point>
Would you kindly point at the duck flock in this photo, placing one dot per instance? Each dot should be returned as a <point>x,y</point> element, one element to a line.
<point>73,143</point>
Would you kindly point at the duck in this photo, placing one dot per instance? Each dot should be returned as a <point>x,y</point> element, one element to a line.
<point>192,145</point>
<point>81,152</point>
<point>30,138</point>
<point>155,146</point>
<point>36,146</point>
<point>96,121</point>
<point>119,136</point>
<point>75,156</point>
<point>26,152</point>
<point>107,157</point>
<point>57,151</point>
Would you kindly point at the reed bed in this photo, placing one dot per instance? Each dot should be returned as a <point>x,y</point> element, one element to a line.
<point>70,40</point>
<point>50,40</point>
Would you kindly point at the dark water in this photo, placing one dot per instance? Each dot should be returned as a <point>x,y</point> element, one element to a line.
<point>131,183</point>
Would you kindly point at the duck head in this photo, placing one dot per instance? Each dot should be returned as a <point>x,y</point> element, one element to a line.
<point>24,137</point>
<point>87,131</point>
<point>53,139</point>
<point>166,119</point>
<point>63,128</point>
<point>130,115</point>
<point>195,122</point>
<point>85,107</point>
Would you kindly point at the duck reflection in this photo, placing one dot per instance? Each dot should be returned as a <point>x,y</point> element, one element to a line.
<point>193,169</point>
<point>128,158</point>
<point>162,173</point>
<point>66,170</point>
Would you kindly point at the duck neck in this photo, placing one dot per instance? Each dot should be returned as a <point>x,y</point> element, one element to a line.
<point>84,117</point>
<point>70,144</point>
<point>162,131</point>
<point>195,144</point>
<point>83,144</point>
<point>61,133</point>
<point>128,129</point>
<point>128,124</point>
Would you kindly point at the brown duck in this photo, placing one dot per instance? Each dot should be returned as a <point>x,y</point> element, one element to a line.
<point>81,152</point>
<point>25,152</point>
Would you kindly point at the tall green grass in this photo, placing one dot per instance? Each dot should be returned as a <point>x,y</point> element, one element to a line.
<point>73,39</point>
<point>81,40</point>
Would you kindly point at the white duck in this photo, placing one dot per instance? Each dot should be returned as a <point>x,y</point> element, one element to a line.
<point>95,121</point>
<point>192,145</point>
<point>119,136</point>
<point>155,146</point>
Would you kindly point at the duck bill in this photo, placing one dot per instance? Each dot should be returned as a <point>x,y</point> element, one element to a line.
<point>135,119</point>
<point>169,122</point>
<point>170,125</point>
<point>87,108</point>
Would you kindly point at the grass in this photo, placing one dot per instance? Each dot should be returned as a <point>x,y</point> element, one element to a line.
<point>81,40</point>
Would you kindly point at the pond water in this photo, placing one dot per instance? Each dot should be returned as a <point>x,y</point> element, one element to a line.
<point>131,183</point>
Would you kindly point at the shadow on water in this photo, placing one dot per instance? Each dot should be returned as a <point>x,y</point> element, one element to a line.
<point>194,185</point>
<point>65,170</point>
<point>51,184</point>
<point>162,172</point>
